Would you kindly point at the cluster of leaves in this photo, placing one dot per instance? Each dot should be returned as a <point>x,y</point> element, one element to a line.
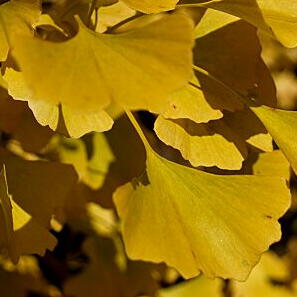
<point>197,180</point>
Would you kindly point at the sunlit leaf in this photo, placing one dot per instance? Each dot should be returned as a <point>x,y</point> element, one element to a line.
<point>153,60</point>
<point>92,171</point>
<point>275,17</point>
<point>281,125</point>
<point>113,15</point>
<point>151,6</point>
<point>190,103</point>
<point>212,144</point>
<point>273,163</point>
<point>213,20</point>
<point>260,283</point>
<point>78,122</point>
<point>17,120</point>
<point>200,286</point>
<point>206,216</point>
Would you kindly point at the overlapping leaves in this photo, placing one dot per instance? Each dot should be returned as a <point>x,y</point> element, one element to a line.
<point>214,101</point>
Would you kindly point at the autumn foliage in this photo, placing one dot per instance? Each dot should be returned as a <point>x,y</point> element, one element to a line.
<point>143,144</point>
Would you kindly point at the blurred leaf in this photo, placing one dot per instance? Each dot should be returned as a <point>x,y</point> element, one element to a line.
<point>17,17</point>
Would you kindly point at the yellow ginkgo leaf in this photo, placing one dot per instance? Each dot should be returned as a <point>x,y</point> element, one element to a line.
<point>78,122</point>
<point>128,159</point>
<point>238,67</point>
<point>111,15</point>
<point>16,17</point>
<point>212,144</point>
<point>260,282</point>
<point>213,20</point>
<point>153,61</point>
<point>250,128</point>
<point>151,6</point>
<point>281,125</point>
<point>195,221</point>
<point>20,233</point>
<point>17,119</point>
<point>278,18</point>
<point>200,286</point>
<point>272,163</point>
<point>92,169</point>
<point>190,103</point>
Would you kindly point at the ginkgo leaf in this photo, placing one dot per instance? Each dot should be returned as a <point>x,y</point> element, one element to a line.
<point>272,163</point>
<point>250,128</point>
<point>91,170</point>
<point>46,194</point>
<point>45,113</point>
<point>200,286</point>
<point>207,217</point>
<point>128,159</point>
<point>16,17</point>
<point>190,103</point>
<point>20,234</point>
<point>152,61</point>
<point>102,220</point>
<point>212,144</point>
<point>260,283</point>
<point>112,15</point>
<point>237,68</point>
<point>151,6</point>
<point>78,122</point>
<point>281,125</point>
<point>17,120</point>
<point>213,20</point>
<point>275,17</point>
